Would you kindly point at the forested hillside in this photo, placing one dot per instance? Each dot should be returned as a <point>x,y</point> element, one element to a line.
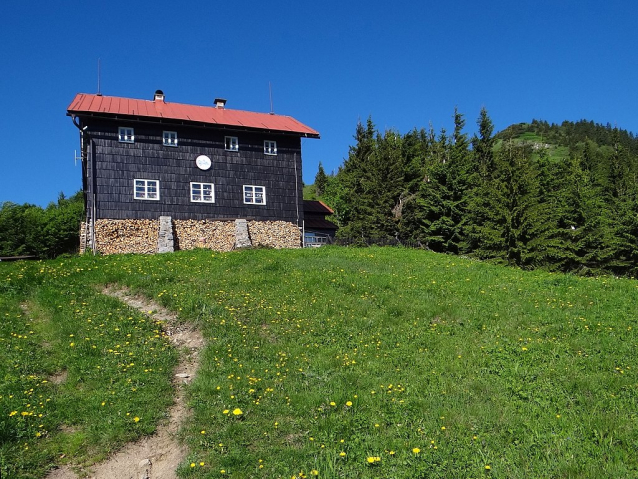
<point>561,197</point>
<point>46,233</point>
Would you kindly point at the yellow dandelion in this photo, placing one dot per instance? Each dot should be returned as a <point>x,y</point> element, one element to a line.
<point>136,419</point>
<point>237,412</point>
<point>349,403</point>
<point>488,467</point>
<point>342,454</point>
<point>416,450</point>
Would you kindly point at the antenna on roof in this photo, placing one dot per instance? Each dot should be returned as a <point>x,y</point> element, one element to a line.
<point>98,78</point>
<point>272,112</point>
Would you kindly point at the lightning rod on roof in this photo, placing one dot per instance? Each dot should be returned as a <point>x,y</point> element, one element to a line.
<point>272,112</point>
<point>98,77</point>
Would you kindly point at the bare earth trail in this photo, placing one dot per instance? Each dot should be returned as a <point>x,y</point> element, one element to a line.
<point>156,456</point>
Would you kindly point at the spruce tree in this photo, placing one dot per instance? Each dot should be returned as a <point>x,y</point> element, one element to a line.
<point>321,179</point>
<point>480,175</point>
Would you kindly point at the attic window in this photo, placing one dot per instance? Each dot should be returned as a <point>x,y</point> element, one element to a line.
<point>126,135</point>
<point>170,138</point>
<point>231,143</point>
<point>270,147</point>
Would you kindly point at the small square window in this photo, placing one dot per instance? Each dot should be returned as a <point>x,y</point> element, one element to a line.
<point>146,189</point>
<point>170,138</point>
<point>270,147</point>
<point>126,135</point>
<point>231,143</point>
<point>254,195</point>
<point>202,192</point>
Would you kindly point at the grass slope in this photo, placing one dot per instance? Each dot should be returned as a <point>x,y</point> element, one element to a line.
<point>336,362</point>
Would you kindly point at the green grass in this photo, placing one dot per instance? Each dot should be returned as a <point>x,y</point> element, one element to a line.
<point>309,192</point>
<point>114,362</point>
<point>333,356</point>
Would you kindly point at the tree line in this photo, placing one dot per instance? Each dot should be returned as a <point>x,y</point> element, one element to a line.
<point>29,230</point>
<point>559,197</point>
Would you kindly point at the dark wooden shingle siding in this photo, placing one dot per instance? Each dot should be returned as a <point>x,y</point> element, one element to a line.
<point>118,164</point>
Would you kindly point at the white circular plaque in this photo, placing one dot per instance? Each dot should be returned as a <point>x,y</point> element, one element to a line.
<point>203,162</point>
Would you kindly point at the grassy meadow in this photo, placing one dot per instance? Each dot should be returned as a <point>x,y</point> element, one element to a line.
<point>330,362</point>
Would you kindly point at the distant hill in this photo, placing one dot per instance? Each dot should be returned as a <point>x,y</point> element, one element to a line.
<point>560,140</point>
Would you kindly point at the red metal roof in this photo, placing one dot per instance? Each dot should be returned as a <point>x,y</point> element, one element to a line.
<point>99,105</point>
<point>314,206</point>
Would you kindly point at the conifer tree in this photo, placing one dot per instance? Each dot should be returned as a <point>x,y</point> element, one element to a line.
<point>321,179</point>
<point>480,175</point>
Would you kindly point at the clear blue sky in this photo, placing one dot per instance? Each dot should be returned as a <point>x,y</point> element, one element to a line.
<point>330,63</point>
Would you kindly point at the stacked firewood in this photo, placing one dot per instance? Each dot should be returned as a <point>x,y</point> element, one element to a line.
<point>216,235</point>
<point>276,234</point>
<point>126,236</point>
<point>140,236</point>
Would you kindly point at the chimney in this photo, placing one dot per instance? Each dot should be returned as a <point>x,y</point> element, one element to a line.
<point>220,103</point>
<point>159,95</point>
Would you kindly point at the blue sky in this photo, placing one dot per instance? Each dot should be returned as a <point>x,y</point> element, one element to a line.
<point>406,64</point>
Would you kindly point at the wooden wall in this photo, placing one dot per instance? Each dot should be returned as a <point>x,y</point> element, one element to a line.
<point>118,164</point>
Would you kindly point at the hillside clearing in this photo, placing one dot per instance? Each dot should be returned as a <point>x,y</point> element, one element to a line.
<point>345,362</point>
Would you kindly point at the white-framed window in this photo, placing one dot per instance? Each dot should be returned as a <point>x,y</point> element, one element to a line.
<point>270,147</point>
<point>202,192</point>
<point>254,195</point>
<point>146,189</point>
<point>170,138</point>
<point>126,135</point>
<point>231,143</point>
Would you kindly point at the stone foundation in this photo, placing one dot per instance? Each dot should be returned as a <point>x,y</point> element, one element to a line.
<point>141,236</point>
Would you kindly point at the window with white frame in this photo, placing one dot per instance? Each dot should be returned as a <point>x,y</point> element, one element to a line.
<point>170,138</point>
<point>202,192</point>
<point>254,195</point>
<point>231,142</point>
<point>270,147</point>
<point>146,189</point>
<point>126,135</point>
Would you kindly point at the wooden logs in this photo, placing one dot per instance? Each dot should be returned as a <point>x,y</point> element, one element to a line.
<point>140,236</point>
<point>216,235</point>
<point>126,236</point>
<point>275,234</point>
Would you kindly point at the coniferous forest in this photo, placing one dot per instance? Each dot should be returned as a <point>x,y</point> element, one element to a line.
<point>536,195</point>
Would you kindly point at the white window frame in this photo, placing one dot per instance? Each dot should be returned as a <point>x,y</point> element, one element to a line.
<point>250,195</point>
<point>231,143</point>
<point>126,134</point>
<point>270,147</point>
<point>202,199</point>
<point>169,138</point>
<point>144,193</point>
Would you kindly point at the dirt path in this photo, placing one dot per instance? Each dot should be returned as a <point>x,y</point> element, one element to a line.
<point>156,456</point>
